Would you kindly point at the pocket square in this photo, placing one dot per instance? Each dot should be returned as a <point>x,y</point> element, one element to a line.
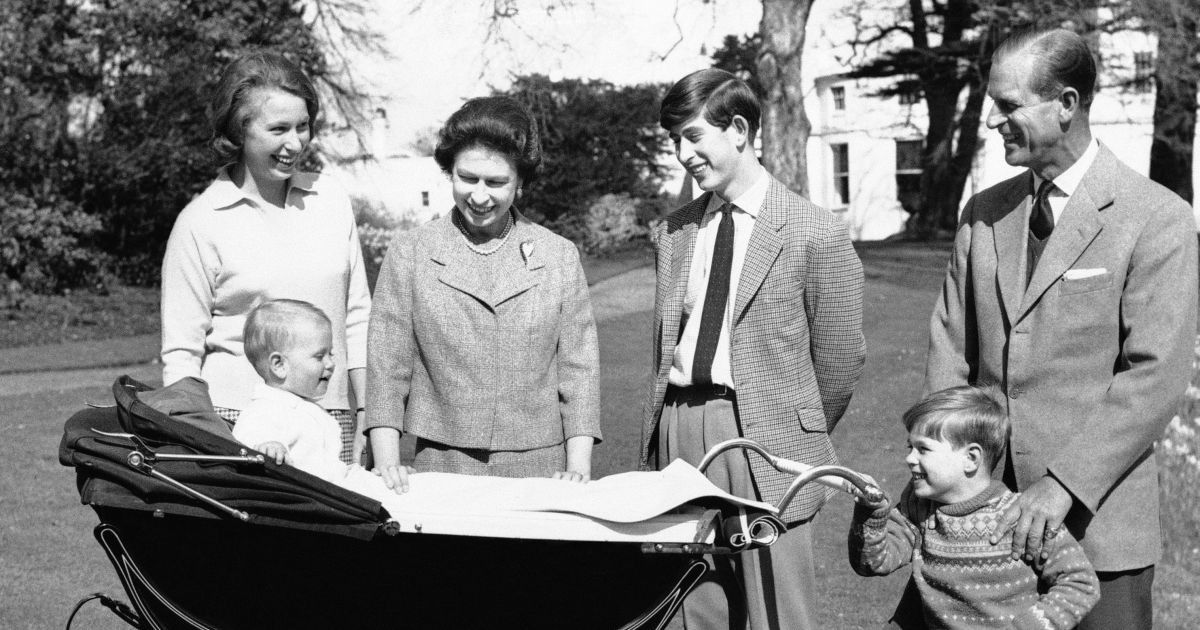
<point>1080,274</point>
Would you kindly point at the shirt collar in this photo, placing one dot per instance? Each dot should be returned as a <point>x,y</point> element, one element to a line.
<point>224,194</point>
<point>264,391</point>
<point>1068,180</point>
<point>750,202</point>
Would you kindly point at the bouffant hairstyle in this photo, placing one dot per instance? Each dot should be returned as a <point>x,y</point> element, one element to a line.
<point>962,415</point>
<point>1063,60</point>
<point>231,106</point>
<point>271,327</point>
<point>718,94</point>
<point>498,123</point>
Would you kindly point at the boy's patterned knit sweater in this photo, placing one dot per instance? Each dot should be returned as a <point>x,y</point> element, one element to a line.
<point>964,581</point>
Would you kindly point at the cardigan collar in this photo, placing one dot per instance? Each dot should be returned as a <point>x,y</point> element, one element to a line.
<point>223,194</point>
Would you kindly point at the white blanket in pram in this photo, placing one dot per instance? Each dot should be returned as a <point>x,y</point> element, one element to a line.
<point>647,506</point>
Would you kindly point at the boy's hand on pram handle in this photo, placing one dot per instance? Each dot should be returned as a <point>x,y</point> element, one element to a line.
<point>395,477</point>
<point>872,500</point>
<point>276,451</point>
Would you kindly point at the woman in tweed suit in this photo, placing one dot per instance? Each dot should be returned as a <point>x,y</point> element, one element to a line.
<point>481,341</point>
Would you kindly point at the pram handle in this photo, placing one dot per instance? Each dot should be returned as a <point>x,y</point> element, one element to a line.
<point>836,477</point>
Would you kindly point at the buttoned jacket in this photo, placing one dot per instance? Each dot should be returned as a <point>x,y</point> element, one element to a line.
<point>1092,356</point>
<point>495,352</point>
<point>796,335</point>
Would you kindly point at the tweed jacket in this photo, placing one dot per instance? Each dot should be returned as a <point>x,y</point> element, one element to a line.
<point>1092,356</point>
<point>796,339</point>
<point>493,352</point>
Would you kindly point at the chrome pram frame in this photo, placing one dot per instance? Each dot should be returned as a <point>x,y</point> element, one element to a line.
<point>199,562</point>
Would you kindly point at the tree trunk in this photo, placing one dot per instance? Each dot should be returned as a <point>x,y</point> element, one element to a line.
<point>785,125</point>
<point>941,97</point>
<point>1175,80</point>
<point>952,138</point>
<point>964,155</point>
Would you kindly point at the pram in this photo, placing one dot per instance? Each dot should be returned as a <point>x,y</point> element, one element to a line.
<point>204,533</point>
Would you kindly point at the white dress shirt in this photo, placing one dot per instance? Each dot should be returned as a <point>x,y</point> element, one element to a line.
<point>1067,181</point>
<point>745,214</point>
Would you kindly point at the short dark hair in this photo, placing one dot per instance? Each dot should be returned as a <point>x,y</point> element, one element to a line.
<point>499,123</point>
<point>1062,58</point>
<point>229,110</point>
<point>962,415</point>
<point>270,327</point>
<point>718,94</point>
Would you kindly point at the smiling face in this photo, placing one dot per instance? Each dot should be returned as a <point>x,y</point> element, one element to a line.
<point>275,136</point>
<point>940,471</point>
<point>713,156</point>
<point>307,365</point>
<point>485,185</point>
<point>1031,126</point>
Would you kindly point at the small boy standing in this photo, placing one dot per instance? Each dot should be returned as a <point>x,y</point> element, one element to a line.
<point>290,344</point>
<point>948,512</point>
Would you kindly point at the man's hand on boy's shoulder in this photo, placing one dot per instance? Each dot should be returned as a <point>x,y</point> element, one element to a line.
<point>1035,516</point>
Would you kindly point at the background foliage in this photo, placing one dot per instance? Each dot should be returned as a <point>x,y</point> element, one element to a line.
<point>597,139</point>
<point>106,102</point>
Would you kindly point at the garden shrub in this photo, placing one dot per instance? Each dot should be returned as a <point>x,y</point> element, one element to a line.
<point>44,247</point>
<point>612,222</point>
<point>376,228</point>
<point>1179,477</point>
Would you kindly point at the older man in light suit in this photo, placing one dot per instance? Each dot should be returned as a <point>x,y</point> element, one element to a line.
<point>758,332</point>
<point>1072,288</point>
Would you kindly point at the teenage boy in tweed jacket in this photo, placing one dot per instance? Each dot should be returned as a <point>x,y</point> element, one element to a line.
<point>757,332</point>
<point>946,517</point>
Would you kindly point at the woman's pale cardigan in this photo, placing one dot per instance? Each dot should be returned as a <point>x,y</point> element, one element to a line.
<point>226,255</point>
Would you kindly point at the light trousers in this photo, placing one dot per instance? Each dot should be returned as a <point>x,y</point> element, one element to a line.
<point>771,588</point>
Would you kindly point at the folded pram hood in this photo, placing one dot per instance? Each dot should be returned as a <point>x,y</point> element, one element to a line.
<point>273,495</point>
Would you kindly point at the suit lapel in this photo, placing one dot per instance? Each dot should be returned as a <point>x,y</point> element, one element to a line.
<point>1078,227</point>
<point>764,247</point>
<point>519,271</point>
<point>1010,232</point>
<point>517,276</point>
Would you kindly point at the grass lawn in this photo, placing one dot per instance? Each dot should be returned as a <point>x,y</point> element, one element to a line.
<point>48,558</point>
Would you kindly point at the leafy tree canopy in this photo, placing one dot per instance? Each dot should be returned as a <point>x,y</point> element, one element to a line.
<point>597,138</point>
<point>106,100</point>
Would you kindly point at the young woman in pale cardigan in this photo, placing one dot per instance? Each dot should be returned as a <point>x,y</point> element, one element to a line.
<point>482,341</point>
<point>264,230</point>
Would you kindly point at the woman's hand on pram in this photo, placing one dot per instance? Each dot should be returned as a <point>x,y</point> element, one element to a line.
<point>395,477</point>
<point>567,475</point>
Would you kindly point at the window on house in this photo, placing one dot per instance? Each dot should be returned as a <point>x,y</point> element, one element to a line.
<point>909,97</point>
<point>841,173</point>
<point>908,173</point>
<point>839,97</point>
<point>1143,71</point>
<point>425,198</point>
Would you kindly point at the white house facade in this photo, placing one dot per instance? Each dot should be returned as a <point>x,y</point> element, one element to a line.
<point>864,150</point>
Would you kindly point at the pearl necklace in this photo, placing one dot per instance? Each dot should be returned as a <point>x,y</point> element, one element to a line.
<point>477,249</point>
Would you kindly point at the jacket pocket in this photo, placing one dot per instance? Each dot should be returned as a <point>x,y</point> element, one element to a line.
<point>1072,286</point>
<point>812,420</point>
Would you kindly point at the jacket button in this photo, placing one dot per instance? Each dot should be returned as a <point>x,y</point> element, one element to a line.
<point>1014,392</point>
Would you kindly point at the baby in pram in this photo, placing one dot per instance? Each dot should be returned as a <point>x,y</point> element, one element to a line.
<point>290,343</point>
